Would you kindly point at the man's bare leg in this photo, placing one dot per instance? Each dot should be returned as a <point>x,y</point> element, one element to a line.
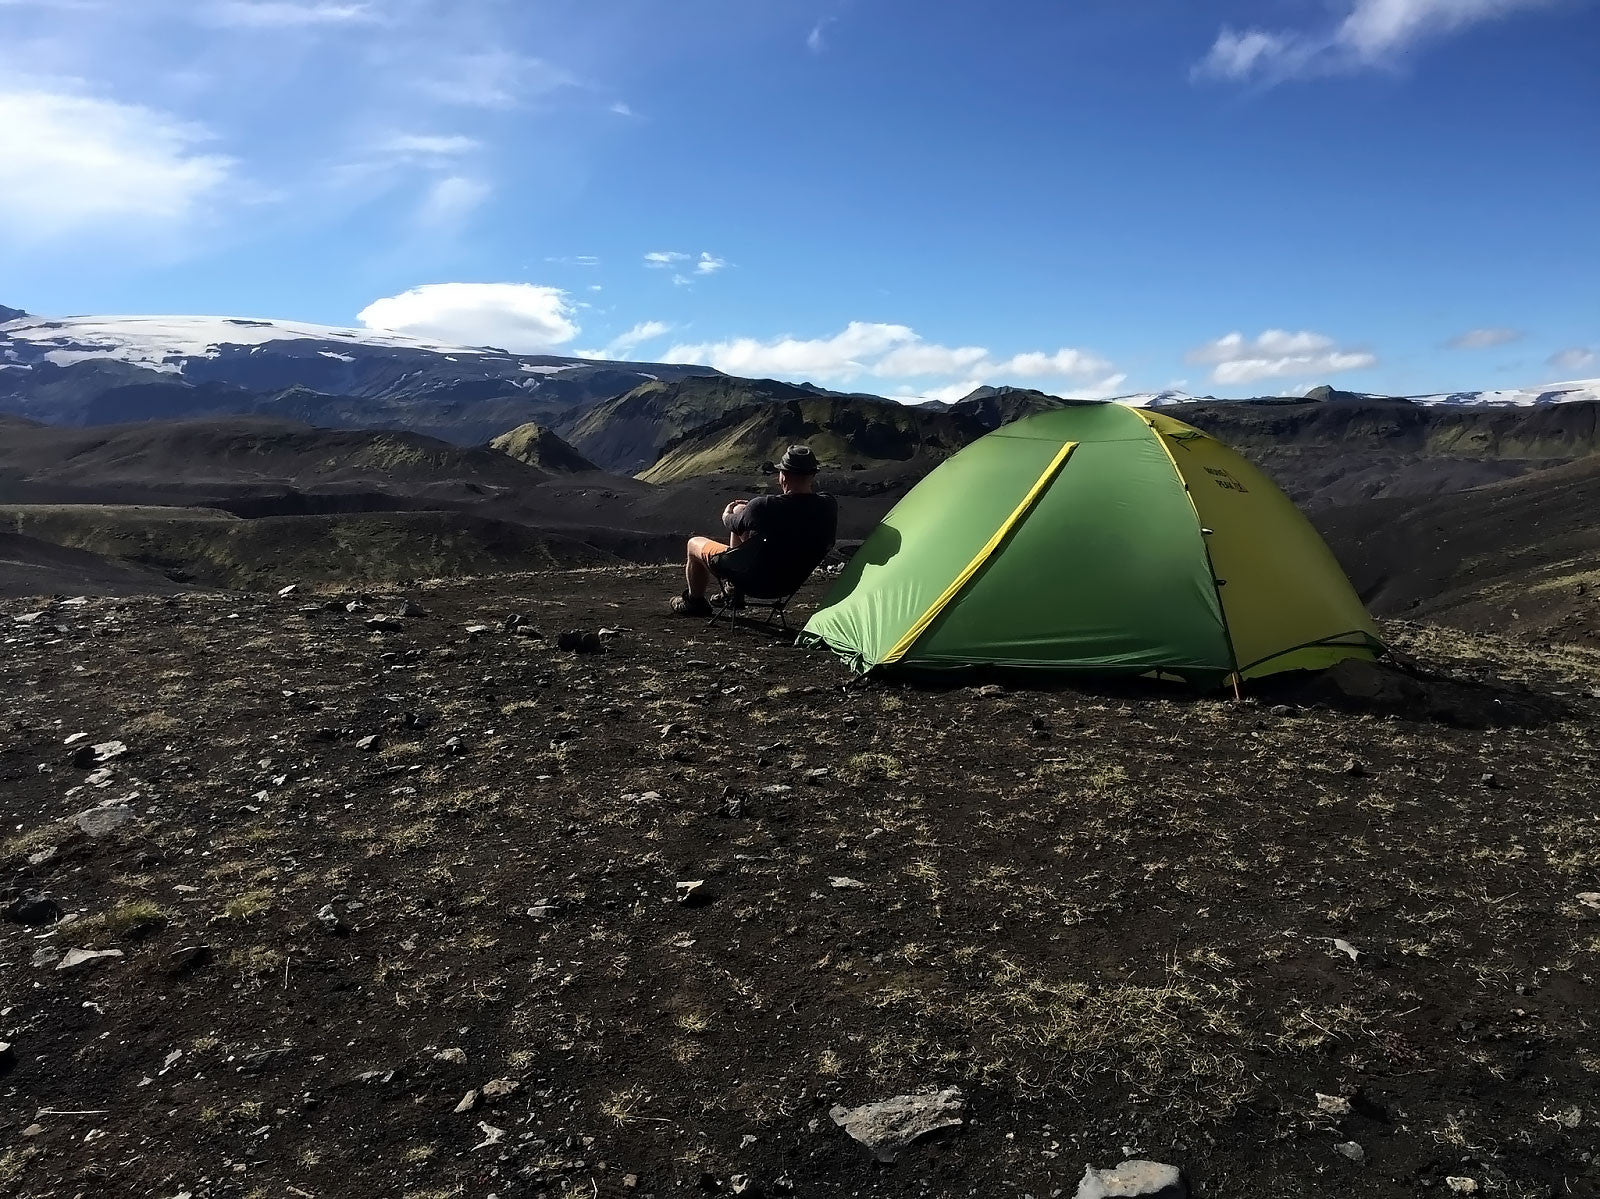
<point>697,574</point>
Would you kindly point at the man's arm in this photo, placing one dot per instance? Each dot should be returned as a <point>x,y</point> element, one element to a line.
<point>747,520</point>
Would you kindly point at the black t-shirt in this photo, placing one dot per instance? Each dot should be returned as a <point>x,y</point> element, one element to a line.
<point>789,532</point>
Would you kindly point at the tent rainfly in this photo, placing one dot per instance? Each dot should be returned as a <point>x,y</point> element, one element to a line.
<point>1096,538</point>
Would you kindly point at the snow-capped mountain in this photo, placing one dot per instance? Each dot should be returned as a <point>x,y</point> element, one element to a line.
<point>108,369</point>
<point>1524,397</point>
<point>1159,399</point>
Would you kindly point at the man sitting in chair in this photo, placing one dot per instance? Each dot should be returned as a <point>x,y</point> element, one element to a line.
<point>774,541</point>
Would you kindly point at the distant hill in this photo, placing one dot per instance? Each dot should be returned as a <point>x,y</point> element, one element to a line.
<point>540,447</point>
<point>847,434</point>
<point>1519,555</point>
<point>1333,453</point>
<point>628,433</point>
<point>992,407</point>
<point>211,461</point>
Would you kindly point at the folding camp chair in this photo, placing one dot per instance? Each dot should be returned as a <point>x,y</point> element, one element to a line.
<point>770,591</point>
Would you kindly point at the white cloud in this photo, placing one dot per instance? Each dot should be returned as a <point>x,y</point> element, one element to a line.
<point>1483,339</point>
<point>845,355</point>
<point>1574,359</point>
<point>71,163</point>
<point>664,258</point>
<point>1237,360</point>
<point>521,317</point>
<point>622,109</point>
<point>921,359</point>
<point>1236,55</point>
<point>1068,363</point>
<point>450,200</point>
<point>815,41</point>
<point>429,145</point>
<point>622,345</point>
<point>709,264</point>
<point>865,349</point>
<point>1371,33</point>
<point>494,79</point>
<point>259,14</point>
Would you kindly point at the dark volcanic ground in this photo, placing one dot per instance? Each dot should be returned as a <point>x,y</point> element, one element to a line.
<point>1107,916</point>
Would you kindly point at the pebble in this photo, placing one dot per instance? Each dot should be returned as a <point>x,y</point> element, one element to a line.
<point>33,909</point>
<point>1145,1179</point>
<point>468,1102</point>
<point>499,1088</point>
<point>456,1056</point>
<point>102,822</point>
<point>1351,1150</point>
<point>1461,1186</point>
<point>369,742</point>
<point>74,958</point>
<point>888,1127</point>
<point>1333,1105</point>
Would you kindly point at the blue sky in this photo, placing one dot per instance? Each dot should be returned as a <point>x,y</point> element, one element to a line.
<point>1094,198</point>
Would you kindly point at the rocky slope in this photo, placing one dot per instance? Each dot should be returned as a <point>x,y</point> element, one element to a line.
<point>1522,554</point>
<point>846,434</point>
<point>537,446</point>
<point>431,906</point>
<point>626,434</point>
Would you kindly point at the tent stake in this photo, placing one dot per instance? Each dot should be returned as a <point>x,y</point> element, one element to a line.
<point>1238,692</point>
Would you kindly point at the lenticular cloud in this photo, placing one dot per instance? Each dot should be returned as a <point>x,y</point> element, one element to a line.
<point>521,317</point>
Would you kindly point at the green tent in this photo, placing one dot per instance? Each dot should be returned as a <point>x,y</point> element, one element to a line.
<point>1096,537</point>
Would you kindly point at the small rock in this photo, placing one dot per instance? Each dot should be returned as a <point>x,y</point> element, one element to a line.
<point>693,893</point>
<point>286,592</point>
<point>33,1130</point>
<point>74,958</point>
<point>386,624</point>
<point>413,609</point>
<point>543,909</point>
<point>888,1127</point>
<point>630,1181</point>
<point>1281,710</point>
<point>1491,781</point>
<point>1589,899</point>
<point>499,1088</point>
<point>1570,1117</point>
<point>1333,1105</point>
<point>8,1057</point>
<point>102,822</point>
<point>468,1102</point>
<point>368,743</point>
<point>190,957</point>
<point>33,909</point>
<point>1346,948</point>
<point>527,630</point>
<point>477,630</point>
<point>578,642</point>
<point>107,750</point>
<point>491,1135</point>
<point>840,883</point>
<point>1351,1150</point>
<point>1354,769</point>
<point>1461,1186</point>
<point>454,1056</point>
<point>742,1184</point>
<point>1147,1180</point>
<point>45,955</point>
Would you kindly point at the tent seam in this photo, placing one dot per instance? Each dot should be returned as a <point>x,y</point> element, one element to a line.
<point>1200,530</point>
